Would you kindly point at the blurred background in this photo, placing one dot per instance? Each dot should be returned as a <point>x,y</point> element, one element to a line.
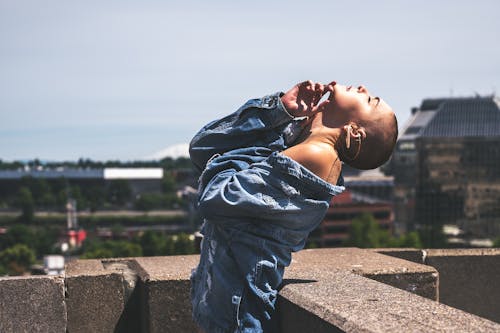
<point>99,100</point>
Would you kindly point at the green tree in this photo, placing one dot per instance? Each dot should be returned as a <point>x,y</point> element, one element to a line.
<point>117,231</point>
<point>153,243</point>
<point>432,236</point>
<point>47,200</point>
<point>45,240</point>
<point>17,259</point>
<point>168,183</point>
<point>149,201</point>
<point>97,253</point>
<point>412,240</point>
<point>365,232</point>
<point>39,188</point>
<point>496,242</point>
<point>95,196</point>
<point>26,203</point>
<point>76,193</point>
<point>183,244</point>
<point>169,246</point>
<point>119,192</point>
<point>112,249</point>
<point>19,234</point>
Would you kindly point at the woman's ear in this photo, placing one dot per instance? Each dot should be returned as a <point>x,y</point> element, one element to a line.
<point>353,131</point>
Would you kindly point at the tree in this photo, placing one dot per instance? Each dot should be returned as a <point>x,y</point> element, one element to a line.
<point>152,243</point>
<point>19,234</point>
<point>432,236</point>
<point>168,183</point>
<point>17,259</point>
<point>119,192</point>
<point>26,203</point>
<point>365,232</point>
<point>496,242</point>
<point>45,239</point>
<point>95,196</point>
<point>112,249</point>
<point>183,244</point>
<point>39,188</point>
<point>76,193</point>
<point>411,239</point>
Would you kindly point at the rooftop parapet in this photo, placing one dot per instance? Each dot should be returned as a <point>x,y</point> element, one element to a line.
<point>325,290</point>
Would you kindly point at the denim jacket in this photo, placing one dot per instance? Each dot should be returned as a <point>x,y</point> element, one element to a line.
<point>258,207</point>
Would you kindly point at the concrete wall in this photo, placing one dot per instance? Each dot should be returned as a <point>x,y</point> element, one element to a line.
<point>325,290</point>
<point>32,304</point>
<point>468,278</point>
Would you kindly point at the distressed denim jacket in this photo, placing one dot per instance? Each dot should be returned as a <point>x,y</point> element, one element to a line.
<point>258,206</point>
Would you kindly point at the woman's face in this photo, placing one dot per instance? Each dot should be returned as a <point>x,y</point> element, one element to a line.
<point>355,104</point>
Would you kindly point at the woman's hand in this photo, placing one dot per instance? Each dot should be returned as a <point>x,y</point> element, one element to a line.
<point>302,99</point>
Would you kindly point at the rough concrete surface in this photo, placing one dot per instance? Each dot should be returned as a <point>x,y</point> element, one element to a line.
<point>165,289</point>
<point>353,303</point>
<point>415,278</point>
<point>469,279</point>
<point>325,290</point>
<point>32,304</point>
<point>97,296</point>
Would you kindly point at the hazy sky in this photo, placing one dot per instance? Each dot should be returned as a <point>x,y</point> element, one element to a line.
<point>124,79</point>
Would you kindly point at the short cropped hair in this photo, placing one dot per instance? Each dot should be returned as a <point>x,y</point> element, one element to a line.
<point>377,147</point>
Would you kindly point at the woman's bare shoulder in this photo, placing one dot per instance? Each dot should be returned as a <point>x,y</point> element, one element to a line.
<point>321,159</point>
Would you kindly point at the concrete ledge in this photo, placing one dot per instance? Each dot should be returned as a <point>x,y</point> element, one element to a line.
<point>347,302</point>
<point>165,293</point>
<point>325,290</point>
<point>416,278</point>
<point>97,295</point>
<point>413,255</point>
<point>32,304</point>
<point>470,279</point>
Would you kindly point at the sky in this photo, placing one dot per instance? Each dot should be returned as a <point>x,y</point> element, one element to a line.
<point>121,79</point>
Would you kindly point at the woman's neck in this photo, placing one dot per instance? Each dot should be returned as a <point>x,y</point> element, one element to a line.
<point>317,154</point>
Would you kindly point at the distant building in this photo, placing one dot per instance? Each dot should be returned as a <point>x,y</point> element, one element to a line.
<point>366,192</point>
<point>447,166</point>
<point>140,180</point>
<point>53,264</point>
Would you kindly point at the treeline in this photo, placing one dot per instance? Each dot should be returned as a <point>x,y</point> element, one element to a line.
<point>365,232</point>
<point>150,243</point>
<point>40,194</point>
<point>21,245</point>
<point>85,163</point>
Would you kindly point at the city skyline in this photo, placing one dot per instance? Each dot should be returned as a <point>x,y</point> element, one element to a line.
<point>124,80</point>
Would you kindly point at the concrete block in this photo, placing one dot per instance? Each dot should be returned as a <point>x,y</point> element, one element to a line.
<point>32,304</point>
<point>346,302</point>
<point>100,296</point>
<point>415,278</point>
<point>469,279</point>
<point>165,293</point>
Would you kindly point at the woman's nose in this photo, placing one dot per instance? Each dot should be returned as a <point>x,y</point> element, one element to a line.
<point>362,89</point>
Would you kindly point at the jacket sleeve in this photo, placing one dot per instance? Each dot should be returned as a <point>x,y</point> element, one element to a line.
<point>262,122</point>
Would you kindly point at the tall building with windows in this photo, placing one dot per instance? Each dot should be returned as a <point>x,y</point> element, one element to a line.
<point>447,166</point>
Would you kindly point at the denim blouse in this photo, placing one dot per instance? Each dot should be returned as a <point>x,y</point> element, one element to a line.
<point>258,206</point>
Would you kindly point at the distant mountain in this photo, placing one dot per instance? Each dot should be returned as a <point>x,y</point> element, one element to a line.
<point>173,151</point>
